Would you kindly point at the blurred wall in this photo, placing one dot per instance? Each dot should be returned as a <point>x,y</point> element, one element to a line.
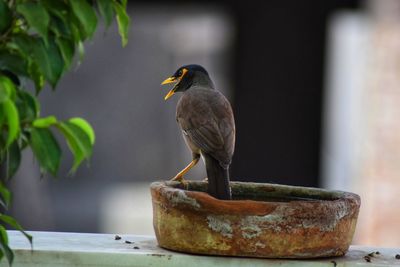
<point>267,58</point>
<point>362,135</point>
<point>118,91</point>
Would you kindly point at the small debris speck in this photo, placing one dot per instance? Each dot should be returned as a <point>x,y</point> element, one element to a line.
<point>136,248</point>
<point>117,237</point>
<point>397,256</point>
<point>367,258</point>
<point>128,242</point>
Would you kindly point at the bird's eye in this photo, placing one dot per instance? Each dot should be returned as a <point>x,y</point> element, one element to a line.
<point>180,73</point>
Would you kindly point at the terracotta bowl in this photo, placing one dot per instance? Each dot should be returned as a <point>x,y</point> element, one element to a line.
<point>263,220</point>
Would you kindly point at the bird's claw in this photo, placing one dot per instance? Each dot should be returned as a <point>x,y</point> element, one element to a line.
<point>178,178</point>
<point>181,180</point>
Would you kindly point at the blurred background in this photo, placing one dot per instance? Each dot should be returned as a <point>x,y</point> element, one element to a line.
<point>315,88</point>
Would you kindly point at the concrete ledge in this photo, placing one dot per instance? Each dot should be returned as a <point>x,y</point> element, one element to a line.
<point>74,249</point>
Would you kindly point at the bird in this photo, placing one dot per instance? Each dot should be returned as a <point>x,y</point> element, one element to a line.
<point>206,120</point>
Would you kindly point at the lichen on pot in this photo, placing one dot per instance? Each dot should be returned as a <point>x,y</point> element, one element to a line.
<point>262,220</point>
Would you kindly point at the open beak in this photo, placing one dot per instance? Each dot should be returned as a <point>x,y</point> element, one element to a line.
<point>167,81</point>
<point>170,93</point>
<point>173,79</point>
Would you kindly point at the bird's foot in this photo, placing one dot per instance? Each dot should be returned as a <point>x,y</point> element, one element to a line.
<point>178,178</point>
<point>181,180</point>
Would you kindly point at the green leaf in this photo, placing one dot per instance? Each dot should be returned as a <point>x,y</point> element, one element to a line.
<point>81,51</point>
<point>12,118</point>
<point>36,16</point>
<point>2,120</point>
<point>45,149</point>
<point>13,223</point>
<point>36,76</point>
<point>32,105</point>
<point>86,15</point>
<point>78,32</point>
<point>57,8</point>
<point>24,139</point>
<point>85,126</point>
<point>60,14</point>
<point>106,10</point>
<point>13,159</point>
<point>124,3</point>
<point>13,63</point>
<point>49,60</point>
<point>22,43</point>
<point>28,106</point>
<point>5,16</point>
<point>12,76</point>
<point>3,94</point>
<point>44,122</point>
<point>4,248</point>
<point>2,151</point>
<point>78,142</point>
<point>5,195</point>
<point>3,233</point>
<point>123,22</point>
<point>60,28</point>
<point>67,50</point>
<point>8,89</point>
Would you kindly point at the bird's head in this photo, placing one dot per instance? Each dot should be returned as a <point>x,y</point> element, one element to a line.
<point>185,77</point>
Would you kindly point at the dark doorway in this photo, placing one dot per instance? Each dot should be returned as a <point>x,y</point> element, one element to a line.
<point>279,88</point>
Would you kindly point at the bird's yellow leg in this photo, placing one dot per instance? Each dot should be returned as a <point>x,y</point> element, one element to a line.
<point>179,176</point>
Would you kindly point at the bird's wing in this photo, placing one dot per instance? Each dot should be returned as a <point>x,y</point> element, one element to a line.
<point>206,136</point>
<point>206,119</point>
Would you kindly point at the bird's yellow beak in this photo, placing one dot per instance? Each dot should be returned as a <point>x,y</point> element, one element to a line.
<point>173,79</point>
<point>167,81</point>
<point>170,93</point>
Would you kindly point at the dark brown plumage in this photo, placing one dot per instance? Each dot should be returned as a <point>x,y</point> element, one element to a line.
<point>206,119</point>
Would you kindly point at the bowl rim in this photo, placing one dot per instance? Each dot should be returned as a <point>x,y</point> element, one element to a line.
<point>200,200</point>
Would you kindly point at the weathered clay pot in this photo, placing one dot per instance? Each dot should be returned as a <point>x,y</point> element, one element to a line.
<point>263,220</point>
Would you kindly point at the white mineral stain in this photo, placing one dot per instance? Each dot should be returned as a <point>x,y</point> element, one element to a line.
<point>260,245</point>
<point>250,231</point>
<point>179,197</point>
<point>283,217</point>
<point>220,224</point>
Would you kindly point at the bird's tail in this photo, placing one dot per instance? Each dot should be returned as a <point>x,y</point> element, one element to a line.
<point>218,179</point>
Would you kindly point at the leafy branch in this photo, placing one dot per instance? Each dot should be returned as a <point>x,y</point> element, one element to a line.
<point>39,41</point>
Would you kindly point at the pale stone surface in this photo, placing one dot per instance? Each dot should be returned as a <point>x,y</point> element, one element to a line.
<point>75,249</point>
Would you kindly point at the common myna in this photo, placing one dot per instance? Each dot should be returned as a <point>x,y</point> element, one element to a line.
<point>208,127</point>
